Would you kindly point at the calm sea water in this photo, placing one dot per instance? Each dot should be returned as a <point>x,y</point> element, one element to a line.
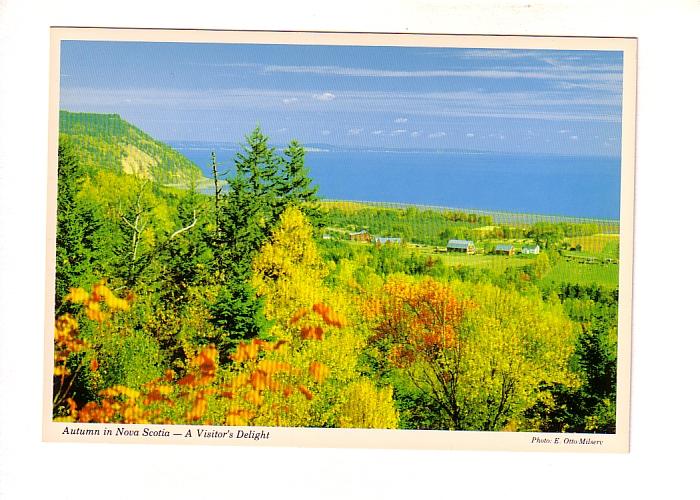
<point>587,187</point>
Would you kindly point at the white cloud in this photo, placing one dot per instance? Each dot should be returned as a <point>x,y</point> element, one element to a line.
<point>498,53</point>
<point>325,132</point>
<point>435,135</point>
<point>613,73</point>
<point>564,131</point>
<point>289,100</point>
<point>416,133</point>
<point>573,137</point>
<point>534,105</point>
<point>470,134</point>
<point>354,131</point>
<point>401,120</point>
<point>399,131</point>
<point>377,132</point>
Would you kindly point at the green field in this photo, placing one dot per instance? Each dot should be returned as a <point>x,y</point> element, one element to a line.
<point>607,245</point>
<point>584,274</point>
<point>496,263</point>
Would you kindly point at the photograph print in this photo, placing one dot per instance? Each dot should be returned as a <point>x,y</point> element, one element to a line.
<point>275,234</point>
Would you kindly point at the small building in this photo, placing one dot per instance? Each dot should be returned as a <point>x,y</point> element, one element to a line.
<point>504,250</point>
<point>380,240</point>
<point>326,237</point>
<point>530,250</point>
<point>361,236</point>
<point>466,246</point>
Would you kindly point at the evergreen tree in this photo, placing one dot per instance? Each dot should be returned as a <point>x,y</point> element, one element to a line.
<point>76,225</point>
<point>245,220</point>
<point>186,255</point>
<point>264,185</point>
<point>295,184</point>
<point>259,165</point>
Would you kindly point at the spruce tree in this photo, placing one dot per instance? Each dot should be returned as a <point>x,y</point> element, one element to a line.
<point>245,221</point>
<point>265,183</point>
<point>295,186</point>
<point>76,226</point>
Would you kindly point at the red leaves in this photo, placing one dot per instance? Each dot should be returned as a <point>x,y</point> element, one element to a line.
<point>298,315</point>
<point>306,392</point>
<point>330,317</point>
<point>420,317</point>
<point>312,333</point>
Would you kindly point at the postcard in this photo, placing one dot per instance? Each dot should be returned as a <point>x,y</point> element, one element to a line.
<point>340,240</point>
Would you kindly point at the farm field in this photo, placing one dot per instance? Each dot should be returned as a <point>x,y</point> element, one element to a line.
<point>584,274</point>
<point>496,263</point>
<point>607,245</point>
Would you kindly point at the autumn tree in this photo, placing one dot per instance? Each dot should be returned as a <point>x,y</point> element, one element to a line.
<point>289,272</point>
<point>481,356</point>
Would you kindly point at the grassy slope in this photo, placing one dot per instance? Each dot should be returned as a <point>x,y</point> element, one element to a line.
<point>106,142</point>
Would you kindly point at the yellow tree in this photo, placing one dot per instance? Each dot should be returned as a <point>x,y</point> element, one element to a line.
<point>289,273</point>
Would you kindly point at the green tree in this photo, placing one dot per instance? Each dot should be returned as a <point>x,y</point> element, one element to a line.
<point>185,257</point>
<point>295,186</point>
<point>76,225</point>
<point>265,183</point>
<point>260,166</point>
<point>246,219</point>
<point>237,309</point>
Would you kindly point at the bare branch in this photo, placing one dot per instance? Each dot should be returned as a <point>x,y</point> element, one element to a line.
<point>187,228</point>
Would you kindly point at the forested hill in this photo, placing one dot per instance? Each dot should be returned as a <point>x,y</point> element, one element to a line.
<point>106,142</point>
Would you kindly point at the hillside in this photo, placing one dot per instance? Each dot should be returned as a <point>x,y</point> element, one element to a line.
<point>106,142</point>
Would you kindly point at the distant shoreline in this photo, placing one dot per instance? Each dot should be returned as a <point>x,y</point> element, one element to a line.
<point>498,215</point>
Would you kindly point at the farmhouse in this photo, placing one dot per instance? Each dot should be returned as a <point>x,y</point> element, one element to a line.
<point>466,246</point>
<point>380,240</point>
<point>360,236</point>
<point>504,250</point>
<point>530,250</point>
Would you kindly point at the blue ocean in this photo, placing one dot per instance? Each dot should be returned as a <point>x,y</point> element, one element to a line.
<point>570,186</point>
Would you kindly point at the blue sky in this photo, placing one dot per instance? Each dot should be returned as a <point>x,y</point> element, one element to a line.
<point>533,101</point>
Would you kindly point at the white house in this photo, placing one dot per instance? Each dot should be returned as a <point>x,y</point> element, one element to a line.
<point>531,250</point>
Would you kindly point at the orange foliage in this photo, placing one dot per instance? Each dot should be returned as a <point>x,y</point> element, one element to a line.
<point>204,383</point>
<point>319,371</point>
<point>67,341</point>
<point>421,318</point>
